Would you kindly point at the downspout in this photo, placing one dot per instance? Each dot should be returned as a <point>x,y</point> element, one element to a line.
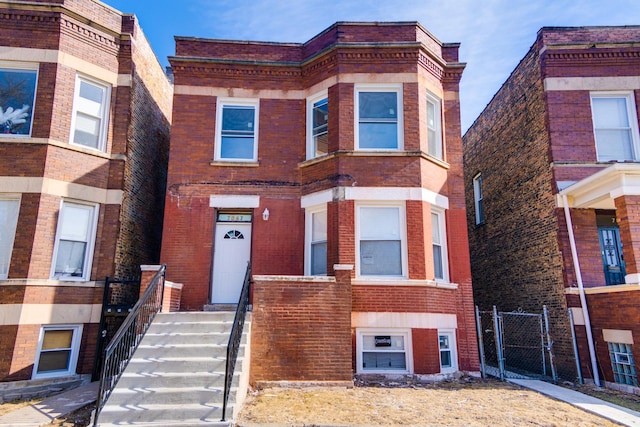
<point>583,298</point>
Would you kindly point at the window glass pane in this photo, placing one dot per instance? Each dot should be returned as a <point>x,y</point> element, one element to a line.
<point>87,131</point>
<point>384,361</point>
<point>236,147</point>
<point>70,260</point>
<point>319,258</point>
<point>435,229</point>
<point>385,342</point>
<point>54,361</point>
<point>17,93</point>
<point>445,359</point>
<point>610,112</point>
<point>55,339</point>
<point>437,262</point>
<point>378,135</point>
<point>614,144</point>
<point>380,223</point>
<point>75,222</point>
<point>237,119</point>
<point>380,257</point>
<point>320,116</point>
<point>319,226</point>
<point>91,93</point>
<point>378,105</point>
<point>8,221</point>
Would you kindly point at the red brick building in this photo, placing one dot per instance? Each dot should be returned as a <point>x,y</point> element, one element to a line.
<point>559,145</point>
<point>85,112</point>
<point>335,167</point>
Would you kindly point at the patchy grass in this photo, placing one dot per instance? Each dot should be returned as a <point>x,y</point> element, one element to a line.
<point>626,400</point>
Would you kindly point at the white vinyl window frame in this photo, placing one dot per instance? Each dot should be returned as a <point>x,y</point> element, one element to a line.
<point>221,133</point>
<point>478,199</point>
<point>360,144</point>
<point>630,128</point>
<point>435,146</point>
<point>88,237</point>
<point>400,208</point>
<point>447,351</point>
<point>87,111</point>
<point>9,212</point>
<point>315,237</point>
<point>22,110</point>
<point>317,106</point>
<point>439,240</point>
<point>73,350</point>
<point>363,345</point>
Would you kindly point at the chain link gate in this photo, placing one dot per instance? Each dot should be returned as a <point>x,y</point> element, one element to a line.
<point>515,344</point>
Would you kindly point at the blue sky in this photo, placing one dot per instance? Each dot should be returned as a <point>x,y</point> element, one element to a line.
<point>494,34</point>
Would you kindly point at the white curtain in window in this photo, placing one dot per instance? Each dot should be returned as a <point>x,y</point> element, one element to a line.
<point>8,220</point>
<point>612,129</point>
<point>380,241</point>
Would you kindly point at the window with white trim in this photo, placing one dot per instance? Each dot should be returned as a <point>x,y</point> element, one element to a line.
<point>237,130</point>
<point>9,210</point>
<point>478,199</point>
<point>317,125</point>
<point>90,113</point>
<point>615,126</point>
<point>624,369</point>
<point>17,98</point>
<point>57,351</point>
<point>448,351</point>
<point>316,241</point>
<point>381,247</point>
<point>434,126</point>
<point>439,245</point>
<point>384,351</point>
<point>75,239</point>
<point>379,117</point>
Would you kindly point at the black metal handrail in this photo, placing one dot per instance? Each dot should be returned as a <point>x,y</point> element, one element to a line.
<point>126,340</point>
<point>235,338</point>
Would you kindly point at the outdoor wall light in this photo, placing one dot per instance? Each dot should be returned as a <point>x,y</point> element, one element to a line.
<point>265,214</point>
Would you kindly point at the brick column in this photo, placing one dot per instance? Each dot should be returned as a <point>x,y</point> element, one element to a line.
<point>628,216</point>
<point>147,273</point>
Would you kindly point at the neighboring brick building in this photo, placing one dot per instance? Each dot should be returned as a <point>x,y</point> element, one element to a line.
<point>85,120</point>
<point>565,124</point>
<point>335,167</point>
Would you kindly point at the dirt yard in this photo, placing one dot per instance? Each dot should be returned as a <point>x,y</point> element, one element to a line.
<point>469,402</point>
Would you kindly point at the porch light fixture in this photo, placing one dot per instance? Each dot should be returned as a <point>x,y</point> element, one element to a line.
<point>265,214</point>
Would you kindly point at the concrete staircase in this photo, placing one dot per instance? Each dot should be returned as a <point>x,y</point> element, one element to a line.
<point>176,376</point>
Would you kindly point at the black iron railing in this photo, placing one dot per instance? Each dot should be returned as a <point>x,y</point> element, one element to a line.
<point>235,338</point>
<point>126,340</point>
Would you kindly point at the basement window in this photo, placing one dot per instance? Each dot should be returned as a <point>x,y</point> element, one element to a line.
<point>384,351</point>
<point>624,369</point>
<point>57,351</point>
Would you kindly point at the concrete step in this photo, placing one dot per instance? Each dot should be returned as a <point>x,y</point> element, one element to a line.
<point>128,397</point>
<point>155,380</point>
<point>195,316</point>
<point>179,350</point>
<point>163,338</point>
<point>162,415</point>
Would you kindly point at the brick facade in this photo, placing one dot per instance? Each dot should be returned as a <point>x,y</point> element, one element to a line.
<point>534,139</point>
<point>281,79</point>
<point>126,181</point>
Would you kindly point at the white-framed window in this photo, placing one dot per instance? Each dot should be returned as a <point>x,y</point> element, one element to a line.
<point>18,83</point>
<point>384,351</point>
<point>615,126</point>
<point>316,238</point>
<point>624,368</point>
<point>75,240</point>
<point>58,347</point>
<point>439,245</point>
<point>317,125</point>
<point>448,351</point>
<point>9,210</point>
<point>237,130</point>
<point>434,126</point>
<point>378,117</point>
<point>90,113</point>
<point>478,198</point>
<point>381,248</point>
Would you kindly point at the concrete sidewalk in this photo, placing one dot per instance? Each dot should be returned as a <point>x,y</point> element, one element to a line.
<point>596,406</point>
<point>52,407</point>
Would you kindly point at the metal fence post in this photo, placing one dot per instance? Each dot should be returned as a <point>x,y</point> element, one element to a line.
<point>549,343</point>
<point>498,334</point>
<point>480,343</point>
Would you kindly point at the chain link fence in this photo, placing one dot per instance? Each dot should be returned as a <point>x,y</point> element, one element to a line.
<point>515,344</point>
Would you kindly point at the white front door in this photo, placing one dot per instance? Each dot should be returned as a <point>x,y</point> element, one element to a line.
<point>232,252</point>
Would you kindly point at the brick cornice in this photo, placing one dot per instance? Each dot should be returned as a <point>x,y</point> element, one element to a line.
<point>584,56</point>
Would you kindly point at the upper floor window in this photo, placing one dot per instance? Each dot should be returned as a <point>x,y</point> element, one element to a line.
<point>9,209</point>
<point>439,245</point>
<point>615,127</point>
<point>17,98</point>
<point>317,241</point>
<point>381,241</point>
<point>379,117</point>
<point>75,239</point>
<point>90,113</point>
<point>434,126</point>
<point>318,126</point>
<point>478,198</point>
<point>237,130</point>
